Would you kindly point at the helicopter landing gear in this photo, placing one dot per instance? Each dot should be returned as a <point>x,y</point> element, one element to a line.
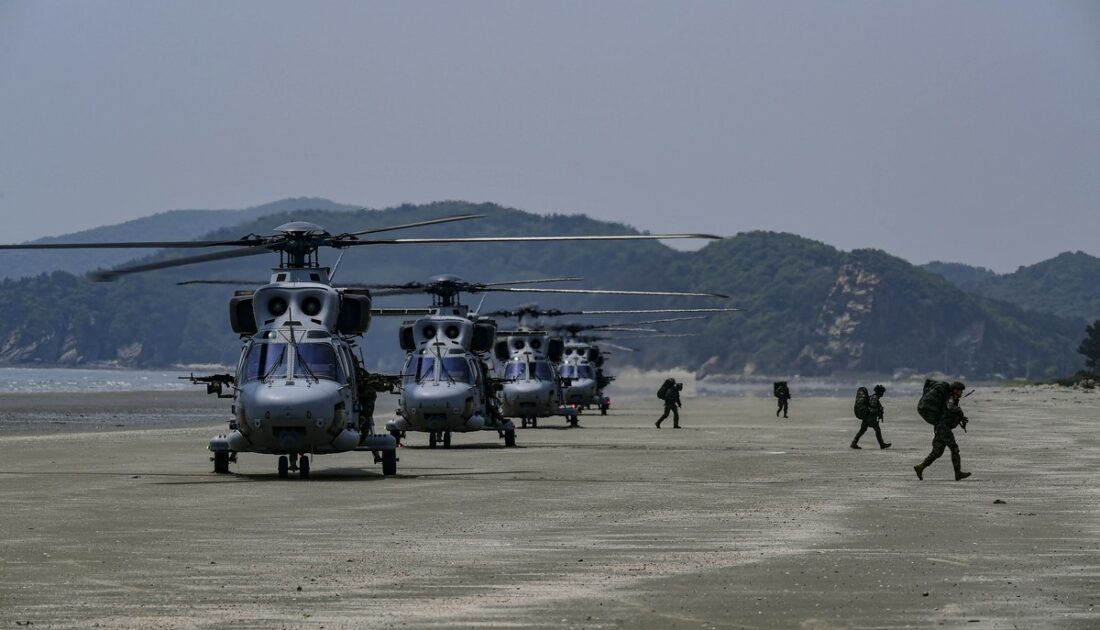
<point>446,439</point>
<point>284,466</point>
<point>389,463</point>
<point>303,467</point>
<point>574,420</point>
<point>221,462</point>
<point>510,438</point>
<point>397,436</point>
<point>603,410</point>
<point>294,461</point>
<point>432,439</point>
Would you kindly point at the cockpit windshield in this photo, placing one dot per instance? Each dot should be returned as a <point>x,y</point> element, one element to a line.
<point>264,360</point>
<point>568,371</point>
<point>515,371</point>
<point>420,369</point>
<point>316,360</point>
<point>455,369</point>
<point>542,370</point>
<point>584,371</point>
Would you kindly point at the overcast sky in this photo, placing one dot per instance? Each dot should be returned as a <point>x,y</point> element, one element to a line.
<point>964,131</point>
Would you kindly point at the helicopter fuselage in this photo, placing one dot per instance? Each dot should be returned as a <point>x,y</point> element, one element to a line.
<point>295,389</point>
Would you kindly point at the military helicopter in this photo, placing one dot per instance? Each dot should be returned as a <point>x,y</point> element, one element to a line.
<point>447,386</point>
<point>532,360</point>
<point>298,389</point>
<point>581,370</point>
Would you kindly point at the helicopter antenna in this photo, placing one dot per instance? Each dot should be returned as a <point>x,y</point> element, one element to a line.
<point>336,264</point>
<point>481,303</point>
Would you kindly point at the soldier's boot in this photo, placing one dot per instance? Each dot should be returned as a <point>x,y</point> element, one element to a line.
<point>959,474</point>
<point>675,426</point>
<point>854,445</point>
<point>657,424</point>
<point>884,445</point>
<point>920,471</point>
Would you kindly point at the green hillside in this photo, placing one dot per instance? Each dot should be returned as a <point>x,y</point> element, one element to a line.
<point>1067,285</point>
<point>810,308</point>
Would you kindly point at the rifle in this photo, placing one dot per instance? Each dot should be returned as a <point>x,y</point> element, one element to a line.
<point>214,383</point>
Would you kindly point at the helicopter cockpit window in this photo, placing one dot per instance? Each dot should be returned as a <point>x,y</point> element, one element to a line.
<point>569,371</point>
<point>420,369</point>
<point>316,360</point>
<point>542,371</point>
<point>456,369</point>
<point>264,360</point>
<point>515,371</point>
<point>584,371</point>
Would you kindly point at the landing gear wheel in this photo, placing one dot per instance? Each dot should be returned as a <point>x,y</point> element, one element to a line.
<point>293,461</point>
<point>284,466</point>
<point>431,440</point>
<point>603,410</point>
<point>389,463</point>
<point>534,423</point>
<point>221,462</point>
<point>523,422</point>
<point>303,467</point>
<point>447,439</point>
<point>510,438</point>
<point>574,421</point>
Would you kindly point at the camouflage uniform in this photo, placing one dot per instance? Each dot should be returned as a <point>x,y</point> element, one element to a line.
<point>672,402</point>
<point>783,397</point>
<point>872,422</point>
<point>944,438</point>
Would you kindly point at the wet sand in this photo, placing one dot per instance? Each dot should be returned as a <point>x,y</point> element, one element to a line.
<point>738,520</point>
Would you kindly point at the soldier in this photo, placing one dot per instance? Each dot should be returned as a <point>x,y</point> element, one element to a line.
<point>783,393</point>
<point>672,403</point>
<point>874,416</point>
<point>951,417</point>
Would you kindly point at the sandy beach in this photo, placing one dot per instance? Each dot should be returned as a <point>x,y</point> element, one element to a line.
<point>111,516</point>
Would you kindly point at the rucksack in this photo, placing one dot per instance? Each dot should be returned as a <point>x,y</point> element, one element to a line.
<point>862,407</point>
<point>779,387</point>
<point>933,402</point>
<point>664,388</point>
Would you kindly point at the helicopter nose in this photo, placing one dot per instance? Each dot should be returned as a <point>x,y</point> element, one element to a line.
<point>290,403</point>
<point>438,399</point>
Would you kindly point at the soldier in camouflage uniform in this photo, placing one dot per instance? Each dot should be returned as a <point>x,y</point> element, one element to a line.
<point>672,404</point>
<point>873,418</point>
<point>783,394</point>
<point>943,438</point>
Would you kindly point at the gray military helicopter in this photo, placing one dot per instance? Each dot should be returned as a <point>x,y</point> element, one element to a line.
<point>299,390</point>
<point>531,360</point>
<point>537,381</point>
<point>447,386</point>
<point>581,369</point>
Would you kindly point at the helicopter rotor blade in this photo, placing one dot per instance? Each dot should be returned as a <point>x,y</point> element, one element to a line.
<point>536,281</point>
<point>108,275</point>
<point>404,226</point>
<point>519,239</point>
<point>244,242</point>
<point>611,292</point>
<point>618,347</point>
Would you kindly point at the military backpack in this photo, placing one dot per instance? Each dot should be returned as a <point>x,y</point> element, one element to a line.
<point>932,405</point>
<point>862,407</point>
<point>664,388</point>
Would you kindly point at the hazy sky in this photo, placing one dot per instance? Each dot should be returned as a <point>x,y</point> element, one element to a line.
<point>965,131</point>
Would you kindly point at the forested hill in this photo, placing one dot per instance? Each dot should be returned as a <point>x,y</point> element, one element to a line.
<point>810,308</point>
<point>173,225</point>
<point>1066,285</point>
